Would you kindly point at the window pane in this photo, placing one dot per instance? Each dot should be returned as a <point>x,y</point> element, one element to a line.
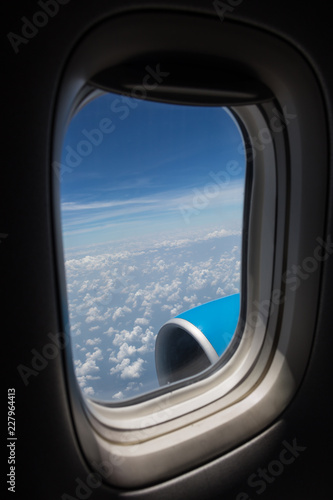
<point>152,210</point>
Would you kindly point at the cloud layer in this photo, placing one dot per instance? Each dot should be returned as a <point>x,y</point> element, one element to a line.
<point>119,299</point>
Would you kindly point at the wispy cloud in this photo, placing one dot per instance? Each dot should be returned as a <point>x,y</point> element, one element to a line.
<point>81,218</point>
<point>71,206</point>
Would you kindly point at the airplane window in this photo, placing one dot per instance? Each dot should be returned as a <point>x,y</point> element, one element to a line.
<point>152,199</point>
<point>180,210</point>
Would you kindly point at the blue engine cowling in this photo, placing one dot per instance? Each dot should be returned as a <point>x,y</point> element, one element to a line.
<point>195,339</point>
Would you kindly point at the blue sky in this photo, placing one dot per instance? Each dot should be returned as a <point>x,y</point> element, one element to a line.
<point>152,206</point>
<point>138,169</point>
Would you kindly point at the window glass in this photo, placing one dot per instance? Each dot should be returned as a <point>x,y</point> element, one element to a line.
<point>152,211</point>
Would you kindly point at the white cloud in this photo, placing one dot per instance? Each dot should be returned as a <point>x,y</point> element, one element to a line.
<point>96,314</point>
<point>141,321</point>
<point>97,216</point>
<point>82,369</point>
<point>190,302</point>
<point>93,328</point>
<point>75,326</point>
<point>148,338</point>
<point>176,310</point>
<point>72,206</point>
<point>88,391</point>
<point>128,370</point>
<point>125,335</point>
<point>94,341</point>
<point>110,331</point>
<point>222,233</point>
<point>124,351</point>
<point>120,312</point>
<point>166,307</point>
<point>119,395</point>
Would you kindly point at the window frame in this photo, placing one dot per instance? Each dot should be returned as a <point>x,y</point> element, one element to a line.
<point>161,437</point>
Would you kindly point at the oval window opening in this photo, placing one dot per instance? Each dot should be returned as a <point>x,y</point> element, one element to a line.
<point>152,201</point>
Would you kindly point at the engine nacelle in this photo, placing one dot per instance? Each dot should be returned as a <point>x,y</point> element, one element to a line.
<point>195,339</point>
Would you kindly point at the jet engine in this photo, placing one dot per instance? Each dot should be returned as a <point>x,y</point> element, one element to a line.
<point>195,339</point>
